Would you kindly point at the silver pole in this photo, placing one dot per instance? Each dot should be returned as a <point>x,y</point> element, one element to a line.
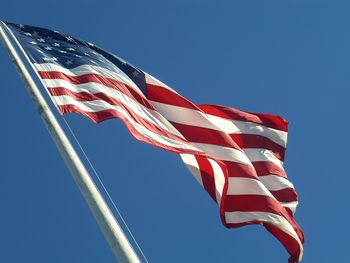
<point>120,245</point>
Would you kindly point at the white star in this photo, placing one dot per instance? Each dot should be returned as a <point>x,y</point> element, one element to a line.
<point>50,59</point>
<point>56,44</point>
<point>86,54</point>
<point>41,51</point>
<point>93,52</point>
<point>56,31</point>
<point>90,44</point>
<point>48,48</point>
<point>93,61</point>
<point>27,34</point>
<point>69,62</point>
<point>77,56</point>
<point>70,49</point>
<point>33,42</point>
<point>41,40</point>
<point>122,60</point>
<point>21,25</point>
<point>63,52</point>
<point>135,73</point>
<point>35,34</point>
<point>69,38</point>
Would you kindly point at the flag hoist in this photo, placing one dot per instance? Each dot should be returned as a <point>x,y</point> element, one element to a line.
<point>117,240</point>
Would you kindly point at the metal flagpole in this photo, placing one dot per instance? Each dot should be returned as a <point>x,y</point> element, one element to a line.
<point>120,245</point>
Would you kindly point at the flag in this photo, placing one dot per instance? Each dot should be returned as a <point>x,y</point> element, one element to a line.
<point>236,156</point>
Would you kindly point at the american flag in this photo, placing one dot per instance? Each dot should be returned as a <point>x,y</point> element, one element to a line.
<point>236,156</point>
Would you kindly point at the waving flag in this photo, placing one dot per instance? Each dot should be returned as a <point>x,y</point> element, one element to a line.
<point>236,156</point>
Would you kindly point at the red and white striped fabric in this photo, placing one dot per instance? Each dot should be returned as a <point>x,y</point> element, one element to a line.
<point>244,173</point>
<point>236,156</point>
<point>263,138</point>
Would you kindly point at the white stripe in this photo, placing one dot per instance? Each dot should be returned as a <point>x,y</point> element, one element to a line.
<point>219,179</point>
<point>246,186</point>
<point>193,166</point>
<point>291,205</point>
<point>245,127</point>
<point>116,74</point>
<point>184,115</point>
<point>98,105</point>
<point>151,116</point>
<point>275,183</point>
<point>269,218</point>
<point>223,153</point>
<point>262,155</point>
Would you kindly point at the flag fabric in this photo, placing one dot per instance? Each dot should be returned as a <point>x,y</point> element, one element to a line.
<point>236,156</point>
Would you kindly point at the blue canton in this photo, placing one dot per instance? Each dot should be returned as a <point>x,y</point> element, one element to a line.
<point>48,46</point>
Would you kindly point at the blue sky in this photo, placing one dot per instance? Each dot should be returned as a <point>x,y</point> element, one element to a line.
<point>284,57</point>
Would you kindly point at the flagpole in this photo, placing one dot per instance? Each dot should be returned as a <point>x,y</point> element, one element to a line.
<point>117,240</point>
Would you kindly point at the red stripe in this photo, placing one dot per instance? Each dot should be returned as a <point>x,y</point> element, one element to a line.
<point>267,168</point>
<point>207,174</point>
<point>205,135</point>
<point>285,195</point>
<point>240,170</point>
<point>257,141</point>
<point>111,83</point>
<point>269,120</point>
<point>166,96</point>
<point>96,117</point>
<point>289,210</point>
<point>289,242</point>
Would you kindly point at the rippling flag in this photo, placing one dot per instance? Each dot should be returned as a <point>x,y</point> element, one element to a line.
<point>236,156</point>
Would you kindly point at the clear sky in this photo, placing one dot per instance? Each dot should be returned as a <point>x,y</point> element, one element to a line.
<point>290,58</point>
